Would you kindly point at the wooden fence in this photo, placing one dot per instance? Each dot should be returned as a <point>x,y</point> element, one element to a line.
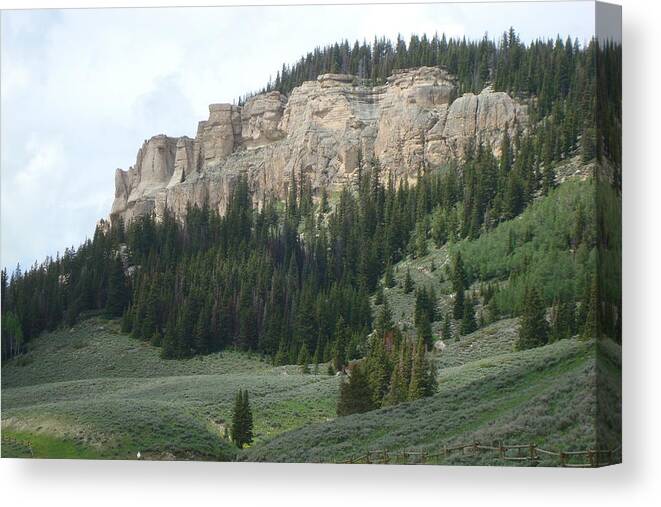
<point>532,454</point>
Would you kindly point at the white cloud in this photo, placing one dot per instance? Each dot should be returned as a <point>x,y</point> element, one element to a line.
<point>43,171</point>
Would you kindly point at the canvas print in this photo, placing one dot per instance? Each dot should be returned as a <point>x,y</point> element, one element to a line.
<point>385,234</point>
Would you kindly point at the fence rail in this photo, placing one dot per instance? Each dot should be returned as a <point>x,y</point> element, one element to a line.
<point>531,453</point>
<point>590,458</point>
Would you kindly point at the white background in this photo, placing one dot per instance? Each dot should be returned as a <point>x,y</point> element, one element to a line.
<point>636,482</point>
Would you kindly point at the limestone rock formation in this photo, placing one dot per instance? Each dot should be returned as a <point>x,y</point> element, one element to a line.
<point>322,131</point>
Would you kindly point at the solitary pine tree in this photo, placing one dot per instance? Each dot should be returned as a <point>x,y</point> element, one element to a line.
<point>247,418</point>
<point>241,430</point>
<point>236,430</point>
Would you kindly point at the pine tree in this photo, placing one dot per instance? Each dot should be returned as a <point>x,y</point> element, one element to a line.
<point>424,331</point>
<point>533,328</point>
<point>439,231</point>
<point>421,248</point>
<point>117,298</point>
<point>316,359</point>
<point>247,419</point>
<point>384,321</point>
<point>458,286</point>
<point>408,282</point>
<point>592,325</point>
<point>588,144</point>
<point>401,378</point>
<point>12,334</point>
<point>355,394</point>
<point>563,320</point>
<point>446,332</point>
<point>378,370</point>
<point>201,332</point>
<point>340,345</point>
<point>156,338</point>
<point>242,422</point>
<point>303,359</point>
<point>389,276</point>
<point>379,297</point>
<point>149,323</point>
<point>280,358</point>
<point>169,344</point>
<point>418,373</point>
<point>468,323</point>
<point>127,320</point>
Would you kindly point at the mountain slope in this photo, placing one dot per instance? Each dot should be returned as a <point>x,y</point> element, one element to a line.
<point>94,392</point>
<point>546,396</point>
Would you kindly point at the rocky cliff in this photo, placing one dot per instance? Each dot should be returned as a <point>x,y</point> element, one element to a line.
<point>322,130</point>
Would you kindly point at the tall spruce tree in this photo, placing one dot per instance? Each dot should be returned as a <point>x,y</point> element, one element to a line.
<point>468,322</point>
<point>242,422</point>
<point>533,327</point>
<point>355,394</point>
<point>408,282</point>
<point>118,294</point>
<point>423,375</point>
<point>446,333</point>
<point>303,359</point>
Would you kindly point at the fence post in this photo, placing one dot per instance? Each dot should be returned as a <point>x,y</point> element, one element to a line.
<point>563,459</point>
<point>532,453</point>
<point>591,457</point>
<point>445,451</point>
<point>423,457</point>
<point>367,458</point>
<point>386,459</point>
<point>501,449</point>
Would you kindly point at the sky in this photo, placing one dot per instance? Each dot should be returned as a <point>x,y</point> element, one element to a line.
<point>80,90</point>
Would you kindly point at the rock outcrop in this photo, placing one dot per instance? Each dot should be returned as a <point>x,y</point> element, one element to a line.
<point>323,130</point>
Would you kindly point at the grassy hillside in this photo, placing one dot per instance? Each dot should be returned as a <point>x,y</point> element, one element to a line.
<point>177,409</point>
<point>93,392</point>
<point>545,395</point>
